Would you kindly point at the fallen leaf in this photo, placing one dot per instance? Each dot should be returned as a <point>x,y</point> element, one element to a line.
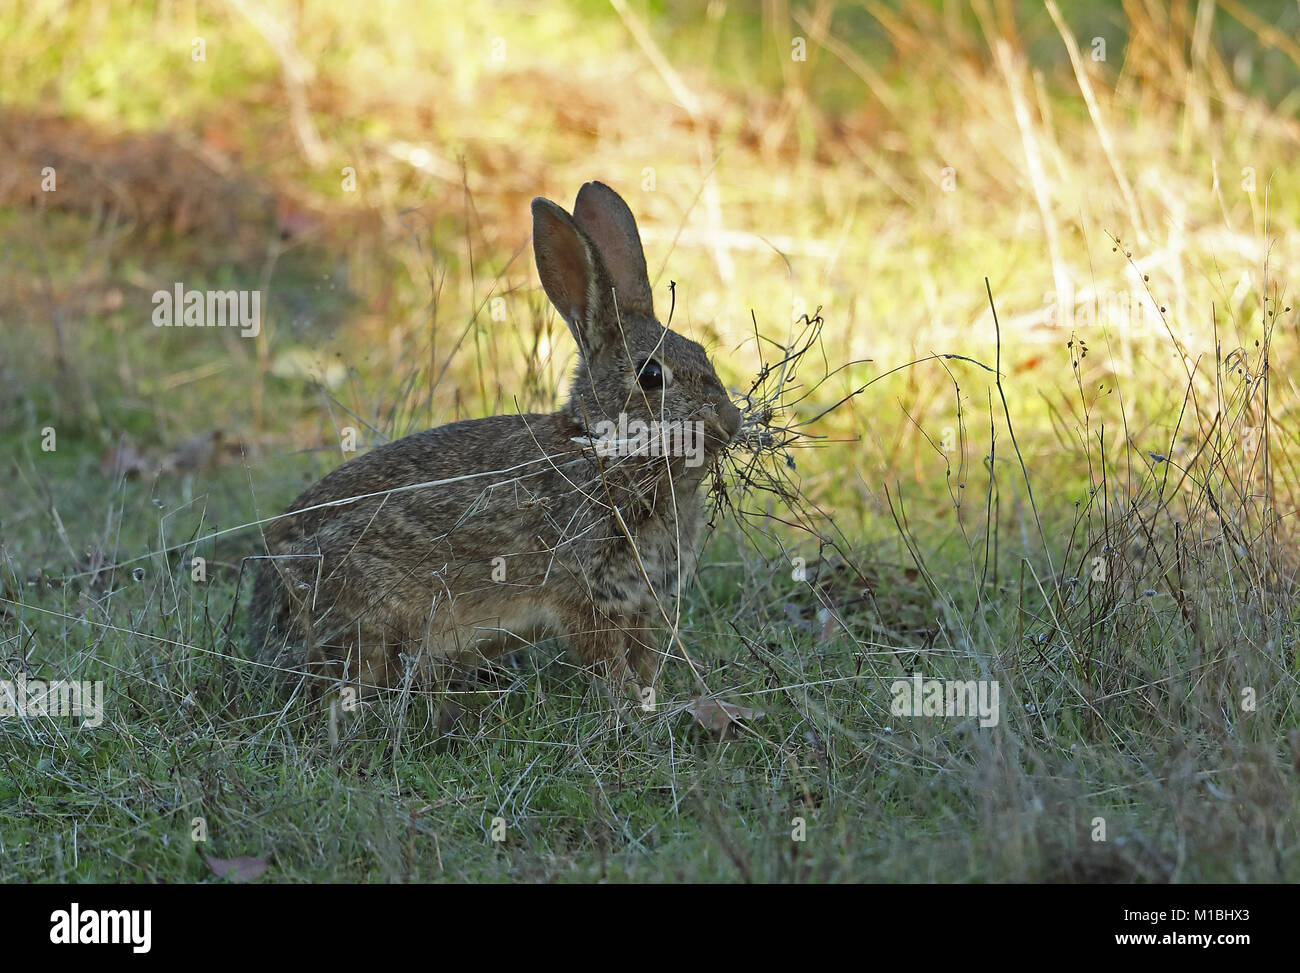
<point>194,454</point>
<point>124,459</point>
<point>245,868</point>
<point>715,714</point>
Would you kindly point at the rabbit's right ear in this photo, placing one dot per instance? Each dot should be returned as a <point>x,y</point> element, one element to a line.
<point>567,267</point>
<point>604,216</point>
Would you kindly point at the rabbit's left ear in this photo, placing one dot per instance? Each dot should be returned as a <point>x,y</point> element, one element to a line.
<point>566,266</point>
<point>605,218</point>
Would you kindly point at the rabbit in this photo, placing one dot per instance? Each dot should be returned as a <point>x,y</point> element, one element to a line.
<point>465,541</point>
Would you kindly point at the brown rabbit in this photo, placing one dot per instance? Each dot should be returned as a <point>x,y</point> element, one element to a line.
<point>467,540</point>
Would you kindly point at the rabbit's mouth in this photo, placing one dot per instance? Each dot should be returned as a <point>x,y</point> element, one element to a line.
<point>723,423</point>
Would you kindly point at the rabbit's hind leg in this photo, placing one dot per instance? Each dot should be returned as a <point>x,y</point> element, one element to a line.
<point>366,658</point>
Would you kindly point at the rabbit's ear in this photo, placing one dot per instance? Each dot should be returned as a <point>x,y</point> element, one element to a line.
<point>605,218</point>
<point>567,267</point>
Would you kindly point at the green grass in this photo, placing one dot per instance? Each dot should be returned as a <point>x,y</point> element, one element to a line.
<point>195,731</point>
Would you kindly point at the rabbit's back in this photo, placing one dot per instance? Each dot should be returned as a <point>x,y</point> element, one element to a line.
<point>384,523</point>
<point>460,451</point>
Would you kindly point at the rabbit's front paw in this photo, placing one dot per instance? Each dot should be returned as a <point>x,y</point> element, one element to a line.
<point>614,681</point>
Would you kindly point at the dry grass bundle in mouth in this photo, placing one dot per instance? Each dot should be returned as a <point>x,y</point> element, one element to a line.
<point>756,480</point>
<point>759,459</point>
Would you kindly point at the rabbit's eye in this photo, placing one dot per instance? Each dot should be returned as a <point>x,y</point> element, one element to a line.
<point>651,374</point>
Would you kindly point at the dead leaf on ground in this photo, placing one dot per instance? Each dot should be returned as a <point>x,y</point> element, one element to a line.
<point>196,454</point>
<point>193,455</point>
<point>124,459</point>
<point>717,714</point>
<point>245,868</point>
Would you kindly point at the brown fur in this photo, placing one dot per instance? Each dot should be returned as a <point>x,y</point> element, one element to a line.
<point>388,561</point>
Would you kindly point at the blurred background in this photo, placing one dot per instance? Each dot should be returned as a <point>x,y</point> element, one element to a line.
<point>1124,174</point>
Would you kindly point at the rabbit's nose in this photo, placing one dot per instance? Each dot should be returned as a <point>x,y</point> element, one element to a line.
<point>729,418</point>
